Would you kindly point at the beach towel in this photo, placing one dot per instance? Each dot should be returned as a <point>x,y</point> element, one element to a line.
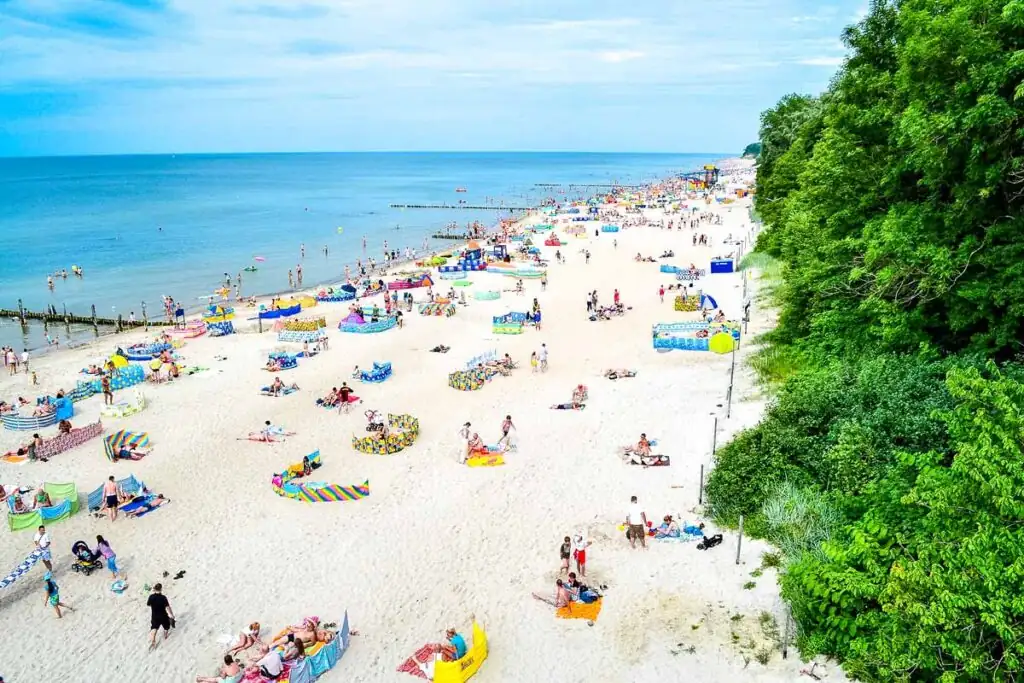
<point>652,460</point>
<point>265,391</point>
<point>420,663</point>
<point>21,569</point>
<point>491,460</point>
<point>13,458</point>
<point>580,610</point>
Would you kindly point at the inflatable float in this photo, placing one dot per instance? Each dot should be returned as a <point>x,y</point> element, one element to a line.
<point>285,485</point>
<point>125,408</point>
<point>379,373</point>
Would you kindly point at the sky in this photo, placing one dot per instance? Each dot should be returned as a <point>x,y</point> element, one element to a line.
<point>188,76</point>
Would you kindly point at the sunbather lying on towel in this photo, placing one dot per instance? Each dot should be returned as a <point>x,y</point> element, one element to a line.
<point>620,372</point>
<point>272,365</point>
<point>129,454</point>
<point>147,506</point>
<point>569,406</point>
<point>309,631</point>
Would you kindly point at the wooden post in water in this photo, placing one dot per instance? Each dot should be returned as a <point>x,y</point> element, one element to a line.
<point>95,326</point>
<point>64,307</point>
<point>21,312</point>
<point>120,324</point>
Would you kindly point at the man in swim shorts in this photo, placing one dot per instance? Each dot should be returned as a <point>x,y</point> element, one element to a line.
<point>110,497</point>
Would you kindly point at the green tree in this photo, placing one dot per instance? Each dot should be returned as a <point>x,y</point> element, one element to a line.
<point>928,584</point>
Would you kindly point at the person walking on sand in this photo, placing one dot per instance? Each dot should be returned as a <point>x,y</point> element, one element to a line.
<point>42,541</point>
<point>464,435</point>
<point>103,548</point>
<point>110,497</point>
<point>636,522</point>
<point>543,357</point>
<point>506,429</point>
<point>564,552</point>
<point>161,616</point>
<point>52,591</point>
<point>661,293</point>
<point>24,359</point>
<point>534,363</point>
<point>108,395</point>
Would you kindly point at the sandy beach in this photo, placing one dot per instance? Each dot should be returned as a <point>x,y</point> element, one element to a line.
<point>435,542</point>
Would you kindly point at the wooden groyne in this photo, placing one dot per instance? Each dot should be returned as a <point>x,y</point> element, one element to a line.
<point>473,207</point>
<point>52,317</point>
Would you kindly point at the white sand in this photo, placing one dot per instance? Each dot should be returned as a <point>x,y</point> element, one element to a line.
<point>435,542</point>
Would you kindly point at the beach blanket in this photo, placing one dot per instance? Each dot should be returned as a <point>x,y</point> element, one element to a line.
<point>420,663</point>
<point>490,460</point>
<point>265,391</point>
<point>580,610</point>
<point>652,460</point>
<point>352,398</point>
<point>21,569</point>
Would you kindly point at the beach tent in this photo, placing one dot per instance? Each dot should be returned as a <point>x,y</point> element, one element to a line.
<point>706,300</point>
<point>120,439</point>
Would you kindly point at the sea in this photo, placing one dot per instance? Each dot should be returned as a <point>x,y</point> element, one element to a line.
<point>141,227</point>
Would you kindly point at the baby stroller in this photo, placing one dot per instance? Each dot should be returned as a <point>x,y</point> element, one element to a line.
<point>85,562</point>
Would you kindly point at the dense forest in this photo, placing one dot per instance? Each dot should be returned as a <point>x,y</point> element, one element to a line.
<point>889,467</point>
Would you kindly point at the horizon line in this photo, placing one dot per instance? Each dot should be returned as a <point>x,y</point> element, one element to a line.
<point>4,157</point>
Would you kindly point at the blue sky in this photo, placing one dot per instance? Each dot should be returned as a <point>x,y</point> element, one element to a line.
<point>150,76</point>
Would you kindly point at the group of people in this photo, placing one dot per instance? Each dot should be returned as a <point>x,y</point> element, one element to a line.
<point>22,500</point>
<point>13,361</point>
<point>271,657</point>
<point>475,446</point>
<point>339,396</point>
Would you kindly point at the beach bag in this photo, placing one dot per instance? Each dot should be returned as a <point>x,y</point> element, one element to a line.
<point>710,542</point>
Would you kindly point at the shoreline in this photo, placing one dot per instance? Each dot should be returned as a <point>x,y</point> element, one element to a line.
<point>667,609</point>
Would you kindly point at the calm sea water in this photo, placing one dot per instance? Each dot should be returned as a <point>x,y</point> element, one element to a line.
<point>145,226</point>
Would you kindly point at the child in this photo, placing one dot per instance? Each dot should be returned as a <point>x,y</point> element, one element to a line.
<point>563,553</point>
<point>533,362</point>
<point>53,595</point>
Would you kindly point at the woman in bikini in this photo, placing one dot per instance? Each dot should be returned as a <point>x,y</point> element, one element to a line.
<point>246,639</point>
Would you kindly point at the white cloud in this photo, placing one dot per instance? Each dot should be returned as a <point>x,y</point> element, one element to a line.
<point>822,61</point>
<point>619,56</point>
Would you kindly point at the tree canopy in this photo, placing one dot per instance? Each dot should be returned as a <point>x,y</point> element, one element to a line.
<point>893,203</point>
<point>752,150</point>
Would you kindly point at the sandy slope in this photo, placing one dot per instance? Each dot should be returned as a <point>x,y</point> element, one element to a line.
<point>435,542</point>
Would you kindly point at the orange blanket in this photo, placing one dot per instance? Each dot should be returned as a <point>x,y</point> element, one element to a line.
<point>580,610</point>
